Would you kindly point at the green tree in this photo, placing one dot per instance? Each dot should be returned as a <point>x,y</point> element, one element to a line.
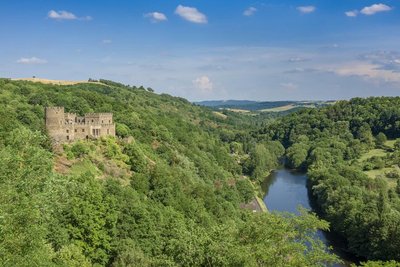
<point>380,139</point>
<point>24,169</point>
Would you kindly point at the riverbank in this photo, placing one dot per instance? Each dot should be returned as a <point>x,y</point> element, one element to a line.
<point>257,204</point>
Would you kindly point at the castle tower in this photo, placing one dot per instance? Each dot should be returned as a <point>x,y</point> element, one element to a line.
<point>55,123</point>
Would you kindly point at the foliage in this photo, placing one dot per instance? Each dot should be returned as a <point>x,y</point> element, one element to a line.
<point>180,206</point>
<point>335,145</point>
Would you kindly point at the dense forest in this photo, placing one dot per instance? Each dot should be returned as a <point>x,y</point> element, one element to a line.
<point>167,190</point>
<point>351,152</point>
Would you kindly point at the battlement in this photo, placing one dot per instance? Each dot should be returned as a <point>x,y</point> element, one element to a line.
<point>98,114</point>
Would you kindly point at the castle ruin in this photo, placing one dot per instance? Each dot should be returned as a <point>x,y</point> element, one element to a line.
<point>67,127</point>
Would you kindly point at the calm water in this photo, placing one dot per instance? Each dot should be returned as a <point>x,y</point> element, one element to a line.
<point>285,191</point>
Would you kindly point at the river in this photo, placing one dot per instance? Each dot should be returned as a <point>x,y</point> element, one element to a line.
<point>285,190</point>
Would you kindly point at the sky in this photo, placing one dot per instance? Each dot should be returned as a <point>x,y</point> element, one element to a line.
<point>209,49</point>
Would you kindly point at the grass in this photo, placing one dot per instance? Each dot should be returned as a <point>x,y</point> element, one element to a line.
<point>219,114</point>
<point>238,110</point>
<point>279,109</point>
<point>262,204</point>
<point>55,82</point>
<point>379,152</point>
<point>374,152</point>
<point>382,172</point>
<point>390,143</point>
<point>84,166</point>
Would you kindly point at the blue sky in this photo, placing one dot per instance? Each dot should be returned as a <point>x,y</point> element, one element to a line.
<point>210,49</point>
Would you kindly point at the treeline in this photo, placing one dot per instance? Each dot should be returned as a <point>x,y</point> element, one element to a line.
<point>179,205</point>
<point>329,143</point>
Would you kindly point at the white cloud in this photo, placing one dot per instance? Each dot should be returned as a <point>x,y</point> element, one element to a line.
<point>352,13</point>
<point>306,9</point>
<point>65,15</point>
<point>204,84</point>
<point>368,71</point>
<point>250,11</point>
<point>289,86</point>
<point>297,59</point>
<point>106,41</point>
<point>371,10</point>
<point>31,60</point>
<point>191,14</point>
<point>156,17</point>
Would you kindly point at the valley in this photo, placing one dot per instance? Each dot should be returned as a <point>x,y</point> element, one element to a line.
<point>190,167</point>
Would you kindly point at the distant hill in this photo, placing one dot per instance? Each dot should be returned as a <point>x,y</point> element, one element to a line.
<point>264,106</point>
<point>225,103</point>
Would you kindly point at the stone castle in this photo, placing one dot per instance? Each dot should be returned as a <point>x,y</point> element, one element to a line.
<point>67,127</point>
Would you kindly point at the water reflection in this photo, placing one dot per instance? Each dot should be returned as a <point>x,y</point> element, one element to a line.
<point>284,191</point>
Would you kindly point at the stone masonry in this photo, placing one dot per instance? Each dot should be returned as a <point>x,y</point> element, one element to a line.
<point>67,127</point>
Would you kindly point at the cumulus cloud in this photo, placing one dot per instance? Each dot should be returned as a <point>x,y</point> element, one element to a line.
<point>204,84</point>
<point>65,15</point>
<point>250,11</point>
<point>31,61</point>
<point>375,8</point>
<point>306,9</point>
<point>156,17</point>
<point>352,13</point>
<point>191,14</point>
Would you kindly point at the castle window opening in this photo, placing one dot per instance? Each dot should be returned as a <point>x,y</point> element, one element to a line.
<point>76,130</point>
<point>67,131</point>
<point>83,130</point>
<point>67,137</point>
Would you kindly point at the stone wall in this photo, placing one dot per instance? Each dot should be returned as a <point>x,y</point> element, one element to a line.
<point>66,127</point>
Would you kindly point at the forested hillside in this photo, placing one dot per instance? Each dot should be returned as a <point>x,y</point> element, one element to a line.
<point>165,192</point>
<point>352,157</point>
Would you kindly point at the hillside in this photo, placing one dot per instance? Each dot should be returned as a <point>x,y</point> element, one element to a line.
<point>166,191</point>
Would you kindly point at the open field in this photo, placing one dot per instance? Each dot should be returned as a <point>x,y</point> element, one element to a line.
<point>390,143</point>
<point>374,152</point>
<point>55,82</point>
<point>384,171</point>
<point>219,114</point>
<point>238,110</point>
<point>279,109</point>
